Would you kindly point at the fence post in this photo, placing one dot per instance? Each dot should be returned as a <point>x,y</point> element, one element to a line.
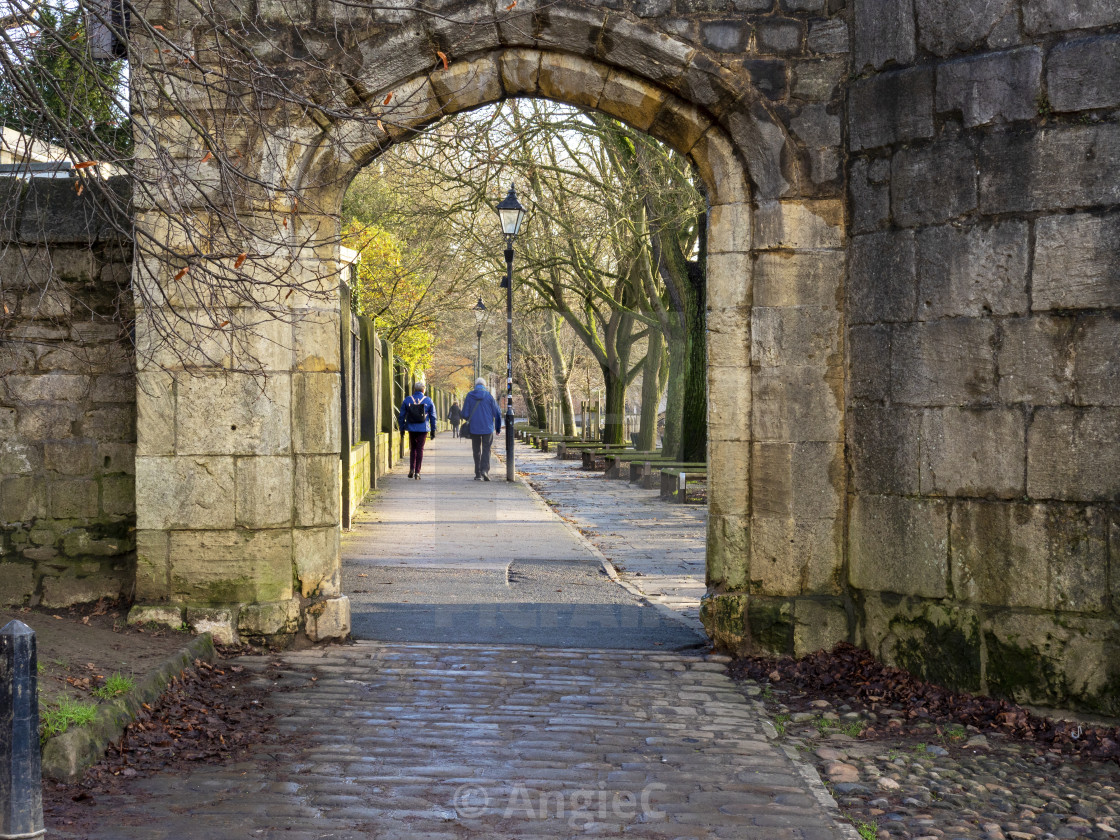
<point>21,777</point>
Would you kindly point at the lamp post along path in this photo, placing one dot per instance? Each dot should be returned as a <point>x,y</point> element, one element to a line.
<point>511,214</point>
<point>479,310</point>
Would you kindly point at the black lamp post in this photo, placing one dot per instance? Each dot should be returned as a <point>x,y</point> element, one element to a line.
<point>511,214</point>
<point>479,310</point>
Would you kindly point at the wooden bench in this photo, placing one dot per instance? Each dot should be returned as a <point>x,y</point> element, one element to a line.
<point>572,450</point>
<point>641,470</point>
<point>592,457</point>
<point>616,460</point>
<point>541,440</point>
<point>674,481</point>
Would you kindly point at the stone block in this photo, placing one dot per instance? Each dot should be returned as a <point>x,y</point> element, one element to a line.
<point>799,225</point>
<point>992,88</point>
<point>797,480</point>
<point>155,413</point>
<point>316,555</point>
<point>883,447</point>
<point>185,492</point>
<point>764,145</point>
<point>797,278</point>
<point>116,458</point>
<point>728,476</point>
<point>952,26</point>
<point>820,132</point>
<point>261,343</point>
<point>819,625</point>
<point>220,623</point>
<point>1096,369</point>
<point>328,619</point>
<point>869,363</point>
<point>465,85</point>
<point>165,616</point>
<point>729,282</point>
<point>1072,454</point>
<point>652,8</point>
<point>899,545</point>
<point>882,283</point>
<point>317,412</point>
<point>228,567</point>
<point>798,404</point>
<point>933,184</point>
<point>1052,660</point>
<point>1042,16</point>
<point>974,271</point>
<point>47,387</point>
<point>571,79</point>
<point>1034,359</point>
<point>318,490</point>
<point>719,169</point>
<point>884,34</point>
<point>779,36</point>
<point>770,76</point>
<point>20,458</point>
<point>234,414</point>
<point>118,495</point>
<point>727,35</point>
<point>269,619</point>
<point>728,551</point>
<point>264,491</point>
<point>870,197</point>
<point>69,457</point>
<point>1075,264</point>
<point>828,36</point>
<point>890,108</point>
<point>17,583</point>
<point>818,80</point>
<point>519,71</point>
<point>724,616</point>
<point>949,362</point>
<point>680,125</point>
<point>1084,73</point>
<point>110,423</point>
<point>973,452</point>
<point>22,498</point>
<point>73,498</point>
<point>68,589</point>
<point>795,335</point>
<point>632,101</point>
<point>153,581</point>
<point>793,556</point>
<point>1081,165</point>
<point>1042,556</point>
<point>730,229</point>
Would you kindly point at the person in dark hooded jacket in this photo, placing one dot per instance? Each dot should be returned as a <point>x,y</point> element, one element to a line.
<point>455,417</point>
<point>484,420</point>
<point>417,413</point>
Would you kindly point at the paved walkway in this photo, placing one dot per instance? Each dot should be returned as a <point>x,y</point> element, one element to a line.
<point>656,547</point>
<point>409,739</point>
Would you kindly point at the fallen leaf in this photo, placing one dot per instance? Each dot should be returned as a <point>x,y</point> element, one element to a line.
<point>240,260</point>
<point>442,57</point>
<point>183,272</point>
<point>85,164</point>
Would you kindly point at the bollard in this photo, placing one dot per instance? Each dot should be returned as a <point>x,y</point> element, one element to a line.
<point>21,777</point>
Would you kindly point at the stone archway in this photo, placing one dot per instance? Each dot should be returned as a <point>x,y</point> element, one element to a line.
<point>208,543</point>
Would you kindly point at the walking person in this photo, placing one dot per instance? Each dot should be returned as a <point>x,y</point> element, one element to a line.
<point>455,417</point>
<point>417,414</point>
<point>484,420</point>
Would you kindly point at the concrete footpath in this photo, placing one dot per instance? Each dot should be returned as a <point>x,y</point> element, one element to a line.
<point>620,735</point>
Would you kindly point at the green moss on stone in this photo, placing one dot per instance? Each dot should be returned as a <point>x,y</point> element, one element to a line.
<point>771,625</point>
<point>940,648</point>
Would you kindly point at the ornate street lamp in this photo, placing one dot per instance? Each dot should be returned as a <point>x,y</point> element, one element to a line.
<point>511,214</point>
<point>479,310</point>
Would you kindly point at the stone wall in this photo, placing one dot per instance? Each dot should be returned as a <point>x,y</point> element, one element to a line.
<point>67,398</point>
<point>983,332</point>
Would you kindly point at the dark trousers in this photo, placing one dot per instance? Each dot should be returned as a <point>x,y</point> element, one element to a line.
<point>454,428</point>
<point>416,456</point>
<point>480,448</point>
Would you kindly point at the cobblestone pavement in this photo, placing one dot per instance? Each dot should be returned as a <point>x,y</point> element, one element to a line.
<point>937,779</point>
<point>656,547</point>
<point>429,742</point>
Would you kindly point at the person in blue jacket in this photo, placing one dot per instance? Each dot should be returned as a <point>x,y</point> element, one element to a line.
<point>484,420</point>
<point>417,414</point>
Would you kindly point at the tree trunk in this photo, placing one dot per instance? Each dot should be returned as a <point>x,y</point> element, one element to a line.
<point>651,393</point>
<point>695,421</point>
<point>614,407</point>
<point>560,373</point>
<point>674,399</point>
<point>530,405</point>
